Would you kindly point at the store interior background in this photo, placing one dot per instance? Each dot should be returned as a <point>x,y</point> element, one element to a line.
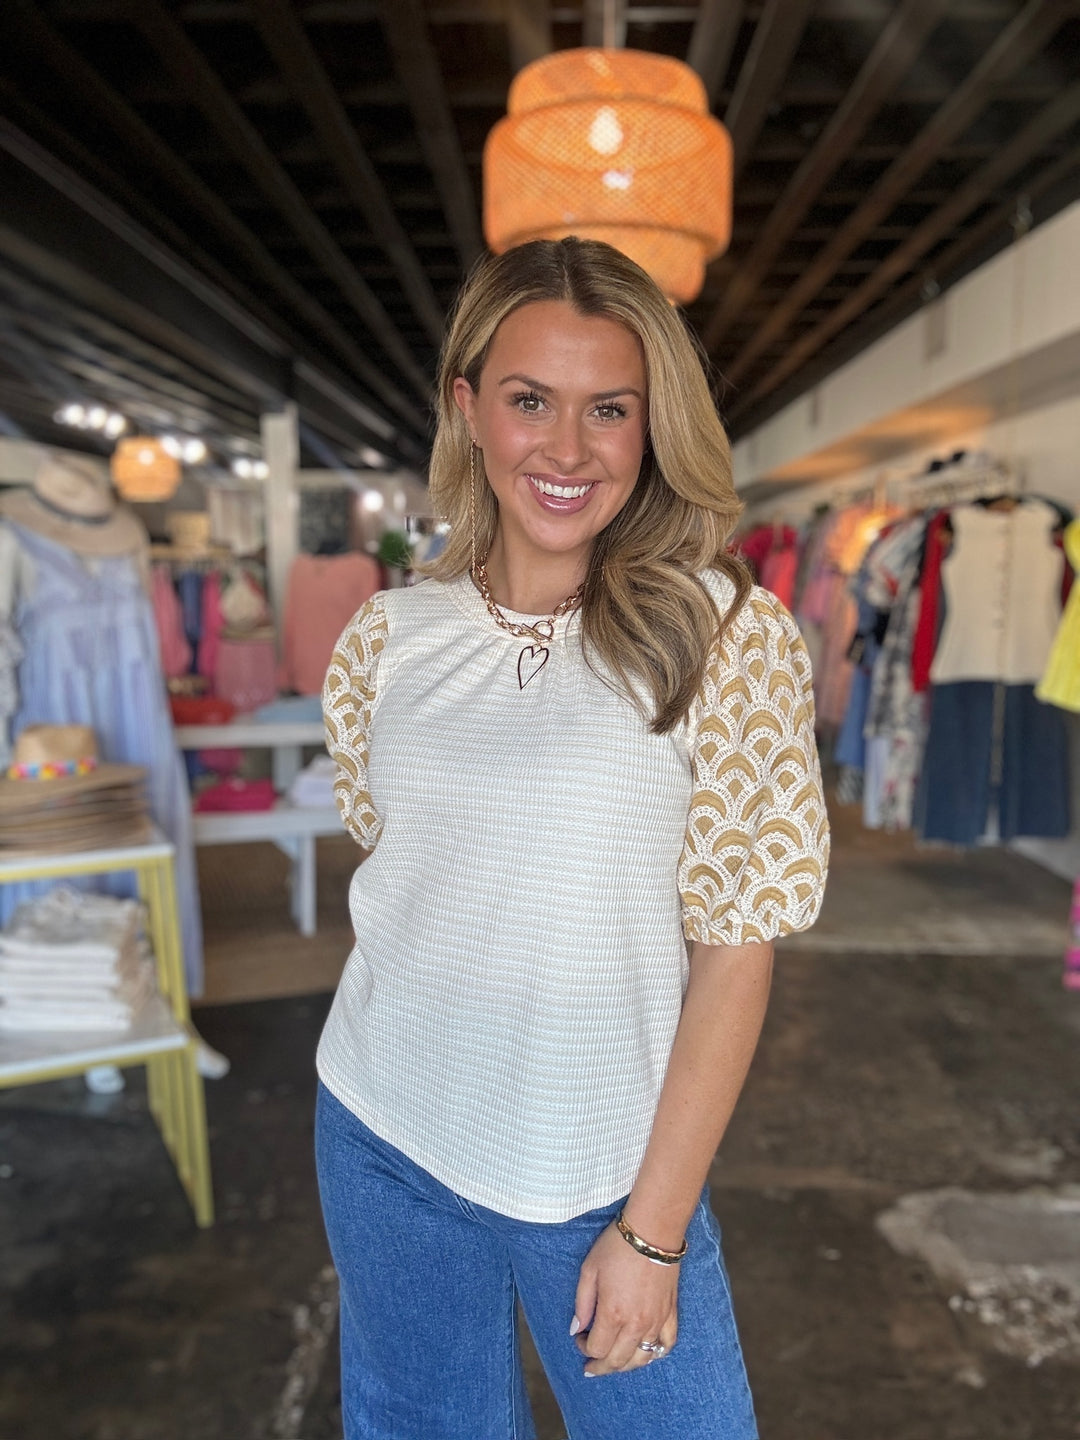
<point>182,240</point>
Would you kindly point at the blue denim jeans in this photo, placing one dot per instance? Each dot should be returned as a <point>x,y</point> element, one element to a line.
<point>429,1292</point>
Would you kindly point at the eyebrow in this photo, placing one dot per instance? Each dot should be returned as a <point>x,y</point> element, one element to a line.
<point>547,389</point>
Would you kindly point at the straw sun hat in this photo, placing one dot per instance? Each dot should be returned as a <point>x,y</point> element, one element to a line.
<point>71,503</point>
<point>58,796</point>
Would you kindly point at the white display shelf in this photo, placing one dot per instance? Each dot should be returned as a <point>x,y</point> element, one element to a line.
<point>225,827</point>
<point>153,1031</point>
<point>85,862</point>
<point>243,733</point>
<point>292,828</point>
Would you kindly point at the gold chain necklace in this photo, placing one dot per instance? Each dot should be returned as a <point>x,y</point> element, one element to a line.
<point>533,657</point>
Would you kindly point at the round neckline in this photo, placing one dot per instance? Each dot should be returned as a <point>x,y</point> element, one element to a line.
<point>468,598</point>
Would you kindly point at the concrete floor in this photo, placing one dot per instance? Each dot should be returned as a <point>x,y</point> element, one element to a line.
<point>885,1072</point>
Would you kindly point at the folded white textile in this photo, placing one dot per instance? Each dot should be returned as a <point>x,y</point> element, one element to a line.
<point>42,989</point>
<point>74,961</point>
<point>98,971</point>
<point>29,961</point>
<point>315,783</point>
<point>27,945</point>
<point>68,924</point>
<point>115,1013</point>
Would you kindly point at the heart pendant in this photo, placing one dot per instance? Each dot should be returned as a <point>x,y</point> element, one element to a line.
<point>530,662</point>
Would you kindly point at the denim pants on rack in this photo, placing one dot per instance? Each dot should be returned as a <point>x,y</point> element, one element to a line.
<point>429,1290</point>
<point>957,789</point>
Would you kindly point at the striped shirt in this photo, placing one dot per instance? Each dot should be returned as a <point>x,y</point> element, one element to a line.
<point>539,858</point>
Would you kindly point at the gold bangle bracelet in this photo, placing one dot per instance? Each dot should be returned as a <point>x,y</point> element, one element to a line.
<point>650,1252</point>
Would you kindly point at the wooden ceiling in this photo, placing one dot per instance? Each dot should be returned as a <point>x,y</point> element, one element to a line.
<point>210,204</point>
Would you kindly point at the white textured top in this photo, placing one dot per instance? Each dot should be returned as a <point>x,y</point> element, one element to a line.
<point>506,1015</point>
<point>1002,583</point>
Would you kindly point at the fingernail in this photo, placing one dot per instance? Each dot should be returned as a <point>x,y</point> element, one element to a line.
<point>575,1325</point>
<point>590,1374</point>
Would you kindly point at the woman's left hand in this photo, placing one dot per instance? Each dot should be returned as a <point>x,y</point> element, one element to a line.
<point>622,1301</point>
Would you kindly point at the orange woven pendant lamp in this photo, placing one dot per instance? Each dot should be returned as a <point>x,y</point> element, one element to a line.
<point>614,145</point>
<point>143,470</point>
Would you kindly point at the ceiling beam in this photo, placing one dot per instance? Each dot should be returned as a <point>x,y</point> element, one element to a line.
<point>896,50</point>
<point>944,266</point>
<point>1014,46</point>
<point>60,227</point>
<point>775,40</point>
<point>146,148</point>
<point>975,245</point>
<point>60,316</point>
<point>711,44</point>
<point>306,76</point>
<point>118,281</point>
<point>199,83</point>
<point>417,66</point>
<point>36,364</point>
<point>89,165</point>
<point>180,382</point>
<point>528,26</point>
<point>1060,115</point>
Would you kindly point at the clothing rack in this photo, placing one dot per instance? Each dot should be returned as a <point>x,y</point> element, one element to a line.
<point>923,489</point>
<point>214,558</point>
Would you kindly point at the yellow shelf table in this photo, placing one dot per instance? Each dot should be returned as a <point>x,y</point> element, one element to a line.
<point>160,1036</point>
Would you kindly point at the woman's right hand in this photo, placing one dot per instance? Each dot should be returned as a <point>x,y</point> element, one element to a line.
<point>623,1300</point>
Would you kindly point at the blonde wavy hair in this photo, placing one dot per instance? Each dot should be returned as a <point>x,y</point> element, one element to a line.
<point>646,616</point>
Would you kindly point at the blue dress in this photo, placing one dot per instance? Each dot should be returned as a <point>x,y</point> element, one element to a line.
<point>91,658</point>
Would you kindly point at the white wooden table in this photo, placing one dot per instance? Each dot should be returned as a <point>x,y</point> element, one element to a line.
<point>292,828</point>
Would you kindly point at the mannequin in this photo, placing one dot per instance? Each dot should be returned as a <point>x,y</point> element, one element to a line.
<point>74,600</point>
<point>70,502</point>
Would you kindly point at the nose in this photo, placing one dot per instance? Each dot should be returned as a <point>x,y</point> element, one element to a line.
<point>566,444</point>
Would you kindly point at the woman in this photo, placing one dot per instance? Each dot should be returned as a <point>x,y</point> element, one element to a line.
<point>582,740</point>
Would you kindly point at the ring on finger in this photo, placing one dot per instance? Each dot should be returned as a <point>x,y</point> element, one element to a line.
<point>655,1349</point>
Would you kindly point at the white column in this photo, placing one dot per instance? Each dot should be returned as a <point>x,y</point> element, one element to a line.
<point>281,451</point>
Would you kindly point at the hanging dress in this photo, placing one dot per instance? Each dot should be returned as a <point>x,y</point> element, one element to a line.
<point>1060,683</point>
<point>996,759</point>
<point>91,657</point>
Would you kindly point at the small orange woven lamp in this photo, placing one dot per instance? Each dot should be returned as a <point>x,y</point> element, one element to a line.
<point>614,145</point>
<point>143,470</point>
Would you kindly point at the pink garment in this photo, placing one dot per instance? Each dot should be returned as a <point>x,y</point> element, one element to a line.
<point>778,574</point>
<point>833,670</point>
<point>245,673</point>
<point>212,625</point>
<point>236,795</point>
<point>325,592</point>
<point>169,620</point>
<point>222,761</point>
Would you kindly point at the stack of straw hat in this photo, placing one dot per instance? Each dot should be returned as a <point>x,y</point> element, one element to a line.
<point>59,798</point>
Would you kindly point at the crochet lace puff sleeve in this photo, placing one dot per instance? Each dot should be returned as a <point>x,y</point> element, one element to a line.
<point>347,699</point>
<point>757,841</point>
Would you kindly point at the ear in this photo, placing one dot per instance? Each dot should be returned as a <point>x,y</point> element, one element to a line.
<point>465,400</point>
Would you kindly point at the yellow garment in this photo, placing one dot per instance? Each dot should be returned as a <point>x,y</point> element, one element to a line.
<point>1060,685</point>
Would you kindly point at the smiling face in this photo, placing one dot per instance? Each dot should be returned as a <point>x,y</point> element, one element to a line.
<point>560,414</point>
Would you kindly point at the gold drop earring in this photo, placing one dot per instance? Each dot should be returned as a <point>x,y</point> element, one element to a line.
<point>472,504</point>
